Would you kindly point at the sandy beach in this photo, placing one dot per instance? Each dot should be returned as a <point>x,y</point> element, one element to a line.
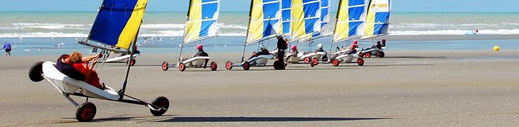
<point>408,88</point>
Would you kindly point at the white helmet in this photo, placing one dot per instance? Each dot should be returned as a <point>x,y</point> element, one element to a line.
<point>319,45</point>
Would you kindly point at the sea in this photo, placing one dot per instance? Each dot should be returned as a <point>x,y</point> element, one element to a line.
<point>47,33</point>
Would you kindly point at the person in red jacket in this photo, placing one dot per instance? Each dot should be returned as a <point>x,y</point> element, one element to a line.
<point>81,65</point>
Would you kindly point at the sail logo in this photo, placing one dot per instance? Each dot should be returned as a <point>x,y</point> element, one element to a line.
<point>380,7</point>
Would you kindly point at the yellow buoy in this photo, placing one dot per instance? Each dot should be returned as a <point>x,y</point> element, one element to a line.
<point>496,48</point>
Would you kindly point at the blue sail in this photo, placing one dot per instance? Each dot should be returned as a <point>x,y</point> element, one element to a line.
<point>325,17</point>
<point>306,19</point>
<point>118,22</point>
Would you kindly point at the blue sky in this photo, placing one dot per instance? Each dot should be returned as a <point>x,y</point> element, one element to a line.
<point>243,5</point>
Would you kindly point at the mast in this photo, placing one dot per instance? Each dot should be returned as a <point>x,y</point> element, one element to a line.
<point>132,52</point>
<point>184,35</point>
<point>247,34</point>
<point>334,28</point>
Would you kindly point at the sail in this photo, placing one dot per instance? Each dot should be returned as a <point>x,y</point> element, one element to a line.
<point>351,16</point>
<point>286,6</point>
<point>118,22</point>
<point>306,20</point>
<point>325,17</point>
<point>202,19</point>
<point>265,20</point>
<point>377,20</point>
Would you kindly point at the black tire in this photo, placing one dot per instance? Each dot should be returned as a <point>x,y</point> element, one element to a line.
<point>315,61</point>
<point>86,112</point>
<point>336,62</point>
<point>182,67</point>
<point>381,54</point>
<point>165,66</point>
<point>35,73</point>
<point>132,62</point>
<point>162,103</point>
<point>214,66</point>
<point>360,62</point>
<point>228,65</point>
<point>246,66</point>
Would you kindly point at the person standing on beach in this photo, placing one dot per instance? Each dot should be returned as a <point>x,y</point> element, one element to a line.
<point>7,48</point>
<point>279,64</point>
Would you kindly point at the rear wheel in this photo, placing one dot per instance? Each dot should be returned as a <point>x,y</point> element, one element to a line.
<point>35,73</point>
<point>228,65</point>
<point>246,66</point>
<point>336,62</point>
<point>162,103</point>
<point>381,54</point>
<point>367,55</point>
<point>213,66</point>
<point>315,61</point>
<point>306,60</point>
<point>182,67</point>
<point>165,66</point>
<point>86,112</point>
<point>360,62</point>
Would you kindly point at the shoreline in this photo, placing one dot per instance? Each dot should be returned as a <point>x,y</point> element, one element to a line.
<point>388,37</point>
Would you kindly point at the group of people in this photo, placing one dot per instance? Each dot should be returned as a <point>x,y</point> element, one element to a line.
<point>82,68</point>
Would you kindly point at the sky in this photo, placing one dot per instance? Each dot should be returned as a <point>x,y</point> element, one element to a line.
<point>243,5</point>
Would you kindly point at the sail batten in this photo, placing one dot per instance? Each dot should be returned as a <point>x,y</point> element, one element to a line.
<point>118,22</point>
<point>265,20</point>
<point>201,20</point>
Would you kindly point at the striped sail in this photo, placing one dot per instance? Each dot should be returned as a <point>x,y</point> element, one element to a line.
<point>202,19</point>
<point>351,17</point>
<point>286,6</point>
<point>265,20</point>
<point>377,20</point>
<point>325,17</point>
<point>306,20</point>
<point>118,22</point>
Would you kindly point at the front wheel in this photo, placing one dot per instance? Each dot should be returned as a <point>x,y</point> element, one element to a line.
<point>132,62</point>
<point>315,61</point>
<point>360,62</point>
<point>213,66</point>
<point>228,65</point>
<point>165,66</point>
<point>162,105</point>
<point>86,112</point>
<point>35,73</point>
<point>336,62</point>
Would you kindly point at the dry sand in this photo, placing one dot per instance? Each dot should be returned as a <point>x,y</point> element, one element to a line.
<point>408,88</point>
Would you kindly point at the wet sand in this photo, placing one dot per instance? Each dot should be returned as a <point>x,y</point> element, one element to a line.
<point>408,88</point>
